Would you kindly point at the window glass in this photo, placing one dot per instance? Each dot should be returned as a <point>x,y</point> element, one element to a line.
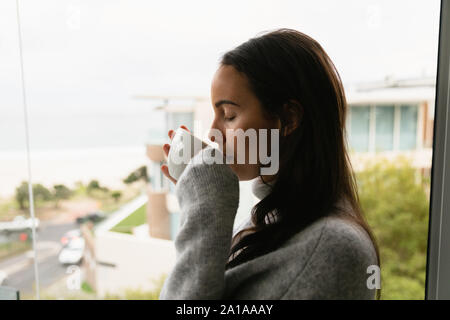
<point>174,224</point>
<point>177,119</point>
<point>101,82</point>
<point>360,123</point>
<point>156,176</point>
<point>384,132</point>
<point>408,127</point>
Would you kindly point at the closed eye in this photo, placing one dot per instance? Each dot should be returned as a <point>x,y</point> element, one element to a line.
<point>230,119</point>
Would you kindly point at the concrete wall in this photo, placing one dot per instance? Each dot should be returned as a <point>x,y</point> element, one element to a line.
<point>127,262</point>
<point>158,216</point>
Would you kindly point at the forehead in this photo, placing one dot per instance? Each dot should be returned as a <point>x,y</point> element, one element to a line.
<point>229,83</point>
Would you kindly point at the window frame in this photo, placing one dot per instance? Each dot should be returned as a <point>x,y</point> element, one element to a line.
<point>437,285</point>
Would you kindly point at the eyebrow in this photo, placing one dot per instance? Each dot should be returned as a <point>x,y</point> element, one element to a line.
<point>221,102</point>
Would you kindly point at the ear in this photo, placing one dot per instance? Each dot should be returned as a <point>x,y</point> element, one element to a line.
<point>293,113</point>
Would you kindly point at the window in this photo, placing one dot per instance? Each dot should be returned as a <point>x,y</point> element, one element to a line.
<point>383,127</point>
<point>408,127</point>
<point>157,180</point>
<point>384,132</point>
<point>90,116</point>
<point>360,123</point>
<point>177,119</point>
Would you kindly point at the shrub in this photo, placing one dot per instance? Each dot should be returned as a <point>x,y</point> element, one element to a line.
<point>116,195</point>
<point>40,193</point>
<point>95,185</point>
<point>394,199</point>
<point>139,294</point>
<point>138,174</point>
<point>60,192</point>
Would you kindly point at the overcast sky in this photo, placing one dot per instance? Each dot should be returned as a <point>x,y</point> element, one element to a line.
<point>92,56</point>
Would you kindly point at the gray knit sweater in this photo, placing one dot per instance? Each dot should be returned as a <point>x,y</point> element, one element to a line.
<point>327,260</point>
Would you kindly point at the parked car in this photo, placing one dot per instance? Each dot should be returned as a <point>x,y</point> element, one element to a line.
<point>70,235</point>
<point>19,223</point>
<point>3,277</point>
<point>93,217</point>
<point>72,253</point>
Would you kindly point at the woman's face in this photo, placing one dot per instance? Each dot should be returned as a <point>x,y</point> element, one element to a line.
<point>236,107</point>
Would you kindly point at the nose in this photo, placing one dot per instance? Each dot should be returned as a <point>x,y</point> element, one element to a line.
<point>211,135</point>
<point>214,131</point>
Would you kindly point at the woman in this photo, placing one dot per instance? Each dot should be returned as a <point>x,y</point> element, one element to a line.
<point>307,238</point>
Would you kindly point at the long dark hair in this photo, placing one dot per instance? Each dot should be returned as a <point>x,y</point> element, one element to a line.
<point>293,77</point>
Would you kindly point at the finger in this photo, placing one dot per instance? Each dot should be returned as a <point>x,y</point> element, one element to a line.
<point>166,148</point>
<point>171,132</point>
<point>185,128</point>
<point>165,171</point>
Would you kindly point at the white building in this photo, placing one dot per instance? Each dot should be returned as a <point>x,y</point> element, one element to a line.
<point>392,118</point>
<point>115,261</point>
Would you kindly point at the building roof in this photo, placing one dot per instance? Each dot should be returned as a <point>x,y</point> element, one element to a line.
<point>388,90</point>
<point>391,95</point>
<point>392,90</point>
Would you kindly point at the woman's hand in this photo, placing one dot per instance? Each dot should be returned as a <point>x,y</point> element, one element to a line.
<point>166,148</point>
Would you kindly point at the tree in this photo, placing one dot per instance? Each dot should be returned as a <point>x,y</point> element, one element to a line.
<point>393,196</point>
<point>136,175</point>
<point>116,195</point>
<point>60,192</point>
<point>22,195</point>
<point>39,193</point>
<point>93,184</point>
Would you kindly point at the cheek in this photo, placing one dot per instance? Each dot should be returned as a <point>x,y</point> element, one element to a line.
<point>246,121</point>
<point>250,168</point>
<point>244,150</point>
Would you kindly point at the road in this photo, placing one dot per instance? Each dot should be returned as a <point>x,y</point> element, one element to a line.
<point>20,269</point>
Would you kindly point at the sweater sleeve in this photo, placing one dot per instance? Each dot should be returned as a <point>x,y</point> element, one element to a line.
<point>208,197</point>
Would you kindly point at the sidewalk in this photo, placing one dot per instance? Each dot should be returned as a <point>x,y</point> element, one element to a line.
<point>17,263</point>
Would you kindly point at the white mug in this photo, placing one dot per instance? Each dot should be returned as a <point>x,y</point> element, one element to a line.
<point>180,153</point>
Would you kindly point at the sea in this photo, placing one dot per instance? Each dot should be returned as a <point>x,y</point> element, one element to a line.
<point>71,147</point>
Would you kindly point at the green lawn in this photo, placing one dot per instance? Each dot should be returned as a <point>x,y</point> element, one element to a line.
<point>133,220</point>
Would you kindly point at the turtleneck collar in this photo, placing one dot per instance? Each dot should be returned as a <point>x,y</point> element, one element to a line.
<point>260,189</point>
